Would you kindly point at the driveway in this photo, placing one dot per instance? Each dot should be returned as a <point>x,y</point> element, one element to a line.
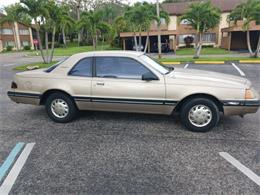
<point>20,58</point>
<point>120,153</point>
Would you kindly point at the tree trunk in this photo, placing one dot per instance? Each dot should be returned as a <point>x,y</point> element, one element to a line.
<point>198,46</point>
<point>96,37</point>
<point>258,47</point>
<point>52,43</point>
<point>135,39</point>
<point>103,41</point>
<point>249,43</point>
<point>47,46</point>
<point>140,42</point>
<point>147,41</point>
<point>64,37</point>
<point>78,18</point>
<point>15,39</point>
<point>40,45</point>
<point>94,42</point>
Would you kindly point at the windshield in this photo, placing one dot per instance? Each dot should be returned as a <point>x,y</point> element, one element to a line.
<point>156,65</point>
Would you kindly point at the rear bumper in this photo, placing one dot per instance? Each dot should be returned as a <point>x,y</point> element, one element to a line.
<point>24,98</point>
<point>241,107</point>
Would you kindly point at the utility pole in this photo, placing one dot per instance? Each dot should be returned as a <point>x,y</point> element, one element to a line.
<point>159,30</point>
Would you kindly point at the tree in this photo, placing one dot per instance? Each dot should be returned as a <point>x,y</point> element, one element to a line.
<point>248,12</point>
<point>105,30</point>
<point>140,17</point>
<point>45,14</point>
<point>202,17</point>
<point>14,15</point>
<point>66,22</point>
<point>111,11</point>
<point>151,16</point>
<point>92,22</point>
<point>35,9</point>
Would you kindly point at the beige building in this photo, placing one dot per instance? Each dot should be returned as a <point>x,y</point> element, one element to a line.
<point>16,35</point>
<point>226,35</point>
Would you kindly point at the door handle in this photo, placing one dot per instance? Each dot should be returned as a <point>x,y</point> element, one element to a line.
<point>101,83</point>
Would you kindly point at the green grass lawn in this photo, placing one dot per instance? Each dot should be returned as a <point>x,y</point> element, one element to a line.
<point>39,64</point>
<point>76,49</point>
<point>204,51</point>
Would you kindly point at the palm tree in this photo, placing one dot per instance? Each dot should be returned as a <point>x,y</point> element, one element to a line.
<point>105,30</point>
<point>202,17</point>
<point>46,15</point>
<point>151,16</point>
<point>92,22</point>
<point>65,22</point>
<point>133,16</point>
<point>52,22</point>
<point>248,12</point>
<point>36,9</point>
<point>140,17</point>
<point>13,15</point>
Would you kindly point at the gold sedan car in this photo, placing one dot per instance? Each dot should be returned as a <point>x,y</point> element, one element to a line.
<point>133,82</point>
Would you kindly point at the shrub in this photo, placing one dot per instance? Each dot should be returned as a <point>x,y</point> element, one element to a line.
<point>9,48</point>
<point>57,45</point>
<point>188,41</point>
<point>27,47</point>
<point>83,43</point>
<point>208,46</point>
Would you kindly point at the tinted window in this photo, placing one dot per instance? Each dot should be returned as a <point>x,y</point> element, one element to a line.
<point>119,67</point>
<point>82,68</point>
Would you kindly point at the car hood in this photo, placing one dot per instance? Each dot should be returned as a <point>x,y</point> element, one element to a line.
<point>208,77</point>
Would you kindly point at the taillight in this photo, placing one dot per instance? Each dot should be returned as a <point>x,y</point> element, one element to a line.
<point>14,85</point>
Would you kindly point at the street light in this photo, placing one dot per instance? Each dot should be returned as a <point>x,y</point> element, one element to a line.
<point>159,30</point>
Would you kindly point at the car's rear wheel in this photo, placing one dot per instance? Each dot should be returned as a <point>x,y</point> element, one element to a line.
<point>200,115</point>
<point>61,108</point>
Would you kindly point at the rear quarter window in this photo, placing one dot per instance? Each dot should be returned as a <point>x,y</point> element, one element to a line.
<point>54,66</point>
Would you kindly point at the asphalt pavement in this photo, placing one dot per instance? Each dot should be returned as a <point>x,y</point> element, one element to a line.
<point>120,153</point>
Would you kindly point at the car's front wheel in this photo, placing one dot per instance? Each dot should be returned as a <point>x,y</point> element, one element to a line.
<point>61,108</point>
<point>200,115</point>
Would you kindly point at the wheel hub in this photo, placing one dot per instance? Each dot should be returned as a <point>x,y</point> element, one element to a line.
<point>200,115</point>
<point>59,108</point>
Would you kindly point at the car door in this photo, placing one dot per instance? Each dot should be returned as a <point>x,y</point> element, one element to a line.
<point>80,82</point>
<point>118,86</point>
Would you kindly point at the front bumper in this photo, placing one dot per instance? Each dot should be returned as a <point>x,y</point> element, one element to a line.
<point>240,107</point>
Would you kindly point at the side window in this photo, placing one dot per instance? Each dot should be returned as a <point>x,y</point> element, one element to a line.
<point>82,68</point>
<point>119,67</point>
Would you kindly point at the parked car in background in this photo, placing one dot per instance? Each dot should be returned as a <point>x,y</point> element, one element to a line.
<point>133,82</point>
<point>139,48</point>
<point>165,48</point>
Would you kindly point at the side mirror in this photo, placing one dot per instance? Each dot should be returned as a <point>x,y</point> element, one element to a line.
<point>149,77</point>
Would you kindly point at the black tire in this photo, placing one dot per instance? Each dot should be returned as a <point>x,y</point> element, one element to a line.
<point>72,110</point>
<point>187,108</point>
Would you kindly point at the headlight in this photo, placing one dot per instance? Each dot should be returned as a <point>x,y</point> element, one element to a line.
<point>249,94</point>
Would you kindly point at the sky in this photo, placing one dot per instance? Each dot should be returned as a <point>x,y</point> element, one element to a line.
<point>8,2</point>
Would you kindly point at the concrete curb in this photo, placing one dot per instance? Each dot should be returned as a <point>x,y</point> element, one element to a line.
<point>170,63</point>
<point>209,62</point>
<point>249,61</point>
<point>195,62</point>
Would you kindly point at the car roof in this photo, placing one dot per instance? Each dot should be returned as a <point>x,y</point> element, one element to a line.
<point>109,53</point>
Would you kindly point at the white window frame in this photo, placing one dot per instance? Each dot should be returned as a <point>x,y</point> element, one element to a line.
<point>24,32</point>
<point>7,31</point>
